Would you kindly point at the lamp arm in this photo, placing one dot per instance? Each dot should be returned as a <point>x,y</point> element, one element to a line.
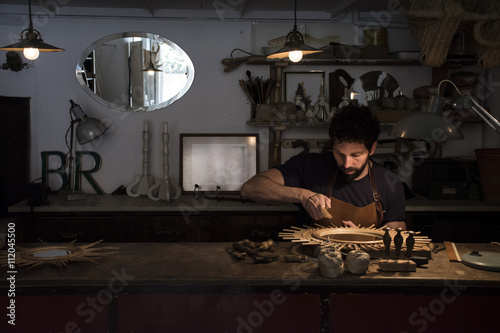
<point>70,161</point>
<point>487,117</point>
<point>466,101</point>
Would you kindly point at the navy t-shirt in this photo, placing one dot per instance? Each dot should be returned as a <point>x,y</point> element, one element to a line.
<point>312,171</point>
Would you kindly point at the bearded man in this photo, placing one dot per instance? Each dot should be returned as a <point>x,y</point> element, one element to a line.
<point>352,188</point>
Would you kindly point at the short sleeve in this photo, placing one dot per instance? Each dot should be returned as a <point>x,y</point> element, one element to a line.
<point>308,170</point>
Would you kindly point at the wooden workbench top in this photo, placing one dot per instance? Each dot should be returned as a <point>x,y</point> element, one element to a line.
<point>227,203</point>
<point>195,267</point>
<point>124,203</point>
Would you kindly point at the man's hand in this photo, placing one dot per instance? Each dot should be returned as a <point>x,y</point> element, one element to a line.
<point>396,224</point>
<point>314,205</point>
<point>350,224</point>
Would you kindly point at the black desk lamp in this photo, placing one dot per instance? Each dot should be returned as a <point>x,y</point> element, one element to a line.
<point>87,130</point>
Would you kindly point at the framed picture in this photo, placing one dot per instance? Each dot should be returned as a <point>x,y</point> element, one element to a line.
<point>309,84</point>
<point>217,160</point>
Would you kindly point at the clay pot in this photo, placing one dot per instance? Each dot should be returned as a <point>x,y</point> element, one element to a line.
<point>264,112</point>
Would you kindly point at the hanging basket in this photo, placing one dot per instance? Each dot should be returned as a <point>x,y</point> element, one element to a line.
<point>485,16</point>
<point>433,23</point>
<point>487,36</point>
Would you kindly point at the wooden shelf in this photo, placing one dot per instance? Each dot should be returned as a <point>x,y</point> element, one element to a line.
<point>385,117</point>
<point>357,62</point>
<point>283,124</point>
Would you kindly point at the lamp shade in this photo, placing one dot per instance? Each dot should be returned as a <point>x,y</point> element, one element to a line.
<point>151,69</point>
<point>31,42</point>
<point>89,129</point>
<point>34,43</point>
<point>294,47</point>
<point>294,43</point>
<point>426,126</point>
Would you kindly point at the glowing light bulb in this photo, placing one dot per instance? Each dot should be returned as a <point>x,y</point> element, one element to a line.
<point>295,56</point>
<point>31,53</point>
<point>151,73</point>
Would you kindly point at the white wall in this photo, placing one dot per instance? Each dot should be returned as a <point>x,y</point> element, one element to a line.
<point>214,104</point>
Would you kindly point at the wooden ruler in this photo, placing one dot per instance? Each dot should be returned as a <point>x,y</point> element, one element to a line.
<point>451,249</point>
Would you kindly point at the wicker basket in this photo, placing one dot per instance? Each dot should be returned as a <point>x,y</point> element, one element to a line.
<point>485,16</point>
<point>434,22</point>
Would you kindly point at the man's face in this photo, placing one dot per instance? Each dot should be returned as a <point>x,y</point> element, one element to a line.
<point>352,159</point>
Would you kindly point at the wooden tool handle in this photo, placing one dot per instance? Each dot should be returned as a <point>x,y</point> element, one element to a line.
<point>325,213</point>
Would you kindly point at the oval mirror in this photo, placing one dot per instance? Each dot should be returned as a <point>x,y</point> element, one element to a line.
<point>135,71</point>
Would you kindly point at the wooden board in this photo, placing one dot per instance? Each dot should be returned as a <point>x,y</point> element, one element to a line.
<point>452,252</point>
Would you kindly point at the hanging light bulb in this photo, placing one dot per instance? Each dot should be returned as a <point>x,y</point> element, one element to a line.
<point>31,53</point>
<point>294,47</point>
<point>295,56</point>
<point>31,42</point>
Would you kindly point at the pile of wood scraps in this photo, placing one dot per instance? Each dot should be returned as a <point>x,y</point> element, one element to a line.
<point>263,252</point>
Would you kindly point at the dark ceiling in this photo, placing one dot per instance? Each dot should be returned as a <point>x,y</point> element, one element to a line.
<point>230,9</point>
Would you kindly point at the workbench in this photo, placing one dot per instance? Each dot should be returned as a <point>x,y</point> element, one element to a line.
<point>199,287</point>
<point>120,218</point>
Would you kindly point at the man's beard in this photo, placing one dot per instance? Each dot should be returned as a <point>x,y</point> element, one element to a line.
<point>350,177</point>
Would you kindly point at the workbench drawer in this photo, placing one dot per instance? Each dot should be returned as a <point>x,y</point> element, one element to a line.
<point>66,228</point>
<point>445,311</point>
<point>55,313</point>
<point>256,313</point>
<point>167,228</point>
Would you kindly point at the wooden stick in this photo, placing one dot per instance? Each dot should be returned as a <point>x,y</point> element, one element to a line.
<point>451,249</point>
<point>245,89</point>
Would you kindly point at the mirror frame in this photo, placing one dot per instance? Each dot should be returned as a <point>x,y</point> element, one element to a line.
<point>324,236</point>
<point>127,108</point>
<point>75,253</point>
<point>71,251</point>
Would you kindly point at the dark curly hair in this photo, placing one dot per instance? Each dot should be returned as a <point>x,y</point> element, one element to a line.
<point>354,123</point>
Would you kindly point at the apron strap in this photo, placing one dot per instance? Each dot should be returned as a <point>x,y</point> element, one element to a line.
<point>376,196</point>
<point>331,182</point>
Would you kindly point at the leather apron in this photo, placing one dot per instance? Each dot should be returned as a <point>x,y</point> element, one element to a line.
<point>366,216</point>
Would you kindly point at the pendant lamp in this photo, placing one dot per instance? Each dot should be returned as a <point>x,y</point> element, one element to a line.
<point>31,43</point>
<point>151,69</point>
<point>295,47</point>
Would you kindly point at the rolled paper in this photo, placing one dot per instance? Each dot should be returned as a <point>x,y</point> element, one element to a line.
<point>357,262</point>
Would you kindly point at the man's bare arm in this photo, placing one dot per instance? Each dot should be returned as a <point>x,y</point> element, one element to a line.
<point>268,187</point>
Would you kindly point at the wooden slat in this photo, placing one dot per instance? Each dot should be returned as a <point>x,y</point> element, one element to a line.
<point>451,249</point>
